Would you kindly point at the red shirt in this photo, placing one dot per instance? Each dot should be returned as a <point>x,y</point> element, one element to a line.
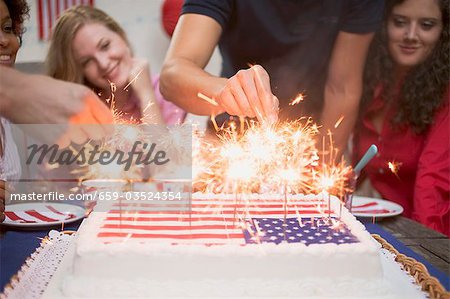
<point>421,182</point>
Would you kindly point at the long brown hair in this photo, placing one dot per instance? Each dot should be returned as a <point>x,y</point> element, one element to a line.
<point>60,62</point>
<point>424,87</point>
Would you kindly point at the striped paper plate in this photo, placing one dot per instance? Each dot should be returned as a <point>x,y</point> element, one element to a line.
<point>374,207</point>
<point>40,214</point>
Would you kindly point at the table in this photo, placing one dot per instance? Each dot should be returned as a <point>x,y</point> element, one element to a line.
<point>17,245</point>
<point>432,246</point>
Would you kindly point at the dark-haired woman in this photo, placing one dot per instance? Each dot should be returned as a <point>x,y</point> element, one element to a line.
<point>405,111</point>
<point>12,15</point>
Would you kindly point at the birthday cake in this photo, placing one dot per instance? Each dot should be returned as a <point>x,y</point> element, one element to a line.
<point>224,246</point>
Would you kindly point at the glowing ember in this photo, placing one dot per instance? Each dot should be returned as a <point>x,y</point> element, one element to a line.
<point>326,182</point>
<point>299,98</point>
<point>339,121</point>
<point>134,79</point>
<point>394,166</point>
<point>267,158</point>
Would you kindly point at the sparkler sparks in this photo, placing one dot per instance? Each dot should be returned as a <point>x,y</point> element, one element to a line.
<point>299,98</point>
<point>266,158</point>
<point>256,157</point>
<point>134,79</point>
<point>394,166</point>
<point>339,121</point>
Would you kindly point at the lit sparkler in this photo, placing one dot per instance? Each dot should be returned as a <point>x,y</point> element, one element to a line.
<point>207,99</point>
<point>339,121</point>
<point>256,157</point>
<point>394,166</point>
<point>299,98</point>
<point>270,155</point>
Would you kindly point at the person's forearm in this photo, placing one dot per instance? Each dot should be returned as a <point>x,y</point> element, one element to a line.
<point>344,86</point>
<point>339,115</point>
<point>182,80</point>
<point>11,81</point>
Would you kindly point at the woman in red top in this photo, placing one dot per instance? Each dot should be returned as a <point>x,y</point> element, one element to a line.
<point>405,111</point>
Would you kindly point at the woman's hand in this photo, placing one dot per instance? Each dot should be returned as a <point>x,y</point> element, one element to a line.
<point>248,93</point>
<point>141,83</point>
<point>139,76</point>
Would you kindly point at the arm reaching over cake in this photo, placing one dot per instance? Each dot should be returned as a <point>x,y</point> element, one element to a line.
<point>343,87</point>
<point>247,93</point>
<point>324,61</point>
<point>35,99</point>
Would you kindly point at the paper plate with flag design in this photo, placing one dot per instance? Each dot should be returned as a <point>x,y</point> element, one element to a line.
<point>374,207</point>
<point>41,214</point>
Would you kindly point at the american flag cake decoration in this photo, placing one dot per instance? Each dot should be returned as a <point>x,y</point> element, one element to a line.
<point>226,220</point>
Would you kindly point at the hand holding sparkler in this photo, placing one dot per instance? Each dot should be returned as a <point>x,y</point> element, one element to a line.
<point>248,93</point>
<point>141,82</point>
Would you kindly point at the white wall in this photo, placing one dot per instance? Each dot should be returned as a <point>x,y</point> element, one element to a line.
<point>141,20</point>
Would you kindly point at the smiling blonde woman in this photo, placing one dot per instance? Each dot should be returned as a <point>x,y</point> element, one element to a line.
<point>90,47</point>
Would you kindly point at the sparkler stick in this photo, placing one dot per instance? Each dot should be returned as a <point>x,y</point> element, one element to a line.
<point>242,123</point>
<point>371,152</point>
<point>329,205</point>
<point>281,158</point>
<point>258,233</point>
<point>213,120</point>
<point>331,150</point>
<point>208,99</point>
<point>259,115</point>
<point>134,79</point>
<point>338,122</point>
<point>330,163</point>
<point>236,202</point>
<point>120,212</point>
<point>285,212</point>
<point>299,98</point>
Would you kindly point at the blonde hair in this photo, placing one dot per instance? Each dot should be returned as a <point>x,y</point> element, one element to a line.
<point>60,61</point>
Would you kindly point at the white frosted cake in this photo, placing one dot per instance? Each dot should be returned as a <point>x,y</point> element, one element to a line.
<point>254,246</point>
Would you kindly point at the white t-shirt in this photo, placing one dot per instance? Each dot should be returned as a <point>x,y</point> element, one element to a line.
<point>10,168</point>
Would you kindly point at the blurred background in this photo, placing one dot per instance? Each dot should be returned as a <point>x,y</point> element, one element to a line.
<point>141,19</point>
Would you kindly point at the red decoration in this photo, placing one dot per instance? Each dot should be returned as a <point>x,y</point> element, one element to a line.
<point>171,10</point>
<point>49,11</point>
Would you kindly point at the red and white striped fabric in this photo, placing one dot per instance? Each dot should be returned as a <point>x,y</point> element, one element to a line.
<point>210,221</point>
<point>49,11</point>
